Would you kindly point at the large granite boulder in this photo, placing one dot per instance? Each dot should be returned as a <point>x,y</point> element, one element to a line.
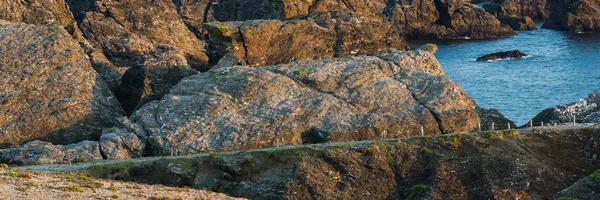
<point>120,143</point>
<point>49,91</point>
<point>575,15</point>
<point>584,110</point>
<point>269,42</point>
<point>55,12</point>
<point>39,153</point>
<point>342,99</point>
<point>129,30</point>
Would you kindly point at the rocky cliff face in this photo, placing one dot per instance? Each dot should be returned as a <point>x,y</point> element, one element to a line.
<point>576,15</point>
<point>49,89</point>
<point>344,99</point>
<point>536,164</point>
<point>535,9</point>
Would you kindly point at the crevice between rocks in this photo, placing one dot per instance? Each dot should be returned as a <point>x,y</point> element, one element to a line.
<point>245,60</point>
<point>435,115</point>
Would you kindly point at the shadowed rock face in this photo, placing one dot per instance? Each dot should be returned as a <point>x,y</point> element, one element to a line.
<point>575,15</point>
<point>586,188</point>
<point>344,99</point>
<point>49,89</point>
<point>518,23</point>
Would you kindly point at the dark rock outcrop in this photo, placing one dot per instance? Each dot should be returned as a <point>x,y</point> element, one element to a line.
<point>489,115</point>
<point>49,90</point>
<point>344,99</point>
<point>39,153</point>
<point>585,188</point>
<point>584,110</point>
<point>518,23</point>
<point>575,15</point>
<point>498,165</point>
<point>502,55</point>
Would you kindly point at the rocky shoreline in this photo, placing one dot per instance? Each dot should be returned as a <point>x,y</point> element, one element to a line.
<point>95,80</point>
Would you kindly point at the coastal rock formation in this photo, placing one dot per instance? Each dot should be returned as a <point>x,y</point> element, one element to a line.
<point>127,30</point>
<point>342,99</point>
<point>585,188</point>
<point>49,89</point>
<point>446,20</point>
<point>38,153</point>
<point>502,55</point>
<point>489,115</point>
<point>499,165</point>
<point>535,9</point>
<point>576,15</point>
<point>55,12</point>
<point>584,110</point>
<point>518,23</point>
<point>116,143</point>
<point>269,42</point>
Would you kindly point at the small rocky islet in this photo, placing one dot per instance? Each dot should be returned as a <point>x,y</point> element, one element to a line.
<point>112,81</point>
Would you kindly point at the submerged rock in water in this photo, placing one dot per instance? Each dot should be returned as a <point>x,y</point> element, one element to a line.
<point>502,55</point>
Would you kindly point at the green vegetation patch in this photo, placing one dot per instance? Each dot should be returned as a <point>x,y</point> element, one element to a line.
<point>105,170</point>
<point>303,72</point>
<point>596,175</point>
<point>73,189</point>
<point>18,174</point>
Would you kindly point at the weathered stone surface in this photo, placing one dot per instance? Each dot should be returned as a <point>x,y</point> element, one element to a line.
<point>535,9</point>
<point>575,15</point>
<point>502,55</point>
<point>54,12</point>
<point>474,22</point>
<point>564,113</point>
<point>519,23</point>
<point>269,42</point>
<point>344,99</point>
<point>501,165</point>
<point>128,30</point>
<point>116,143</point>
<point>39,153</point>
<point>445,20</point>
<point>49,89</point>
<point>585,188</point>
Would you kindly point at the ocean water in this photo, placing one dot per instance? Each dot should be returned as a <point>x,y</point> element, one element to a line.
<point>562,67</point>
